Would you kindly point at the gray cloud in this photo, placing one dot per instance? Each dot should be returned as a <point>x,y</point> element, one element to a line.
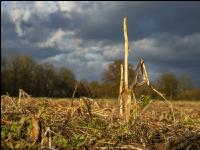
<point>87,36</point>
<point>144,19</point>
<point>11,43</point>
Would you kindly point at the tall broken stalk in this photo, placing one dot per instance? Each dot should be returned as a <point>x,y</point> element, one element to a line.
<point>127,94</point>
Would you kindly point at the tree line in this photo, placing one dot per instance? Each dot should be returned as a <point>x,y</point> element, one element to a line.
<point>22,72</point>
<point>45,80</point>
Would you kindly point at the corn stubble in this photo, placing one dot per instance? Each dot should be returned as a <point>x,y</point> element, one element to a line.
<point>42,123</point>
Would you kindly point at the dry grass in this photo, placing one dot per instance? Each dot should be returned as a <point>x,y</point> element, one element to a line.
<point>39,123</point>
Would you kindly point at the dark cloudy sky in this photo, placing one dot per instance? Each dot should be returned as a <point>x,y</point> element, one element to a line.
<point>87,36</point>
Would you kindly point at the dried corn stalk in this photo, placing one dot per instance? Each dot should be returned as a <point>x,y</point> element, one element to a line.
<point>125,91</point>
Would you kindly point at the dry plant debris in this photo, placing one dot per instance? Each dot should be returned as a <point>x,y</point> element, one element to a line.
<point>41,123</point>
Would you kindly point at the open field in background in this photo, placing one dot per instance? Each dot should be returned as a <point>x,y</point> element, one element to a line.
<point>40,123</point>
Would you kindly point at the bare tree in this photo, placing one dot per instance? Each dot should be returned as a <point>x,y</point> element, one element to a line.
<point>168,84</point>
<point>111,77</point>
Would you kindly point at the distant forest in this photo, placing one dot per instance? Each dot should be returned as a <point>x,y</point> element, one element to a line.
<point>45,80</point>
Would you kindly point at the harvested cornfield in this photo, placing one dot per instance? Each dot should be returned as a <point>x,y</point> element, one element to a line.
<point>42,123</point>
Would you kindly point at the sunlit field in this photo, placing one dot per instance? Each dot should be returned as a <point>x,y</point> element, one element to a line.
<point>44,123</point>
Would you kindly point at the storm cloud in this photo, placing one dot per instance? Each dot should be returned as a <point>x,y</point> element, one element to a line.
<point>87,36</point>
